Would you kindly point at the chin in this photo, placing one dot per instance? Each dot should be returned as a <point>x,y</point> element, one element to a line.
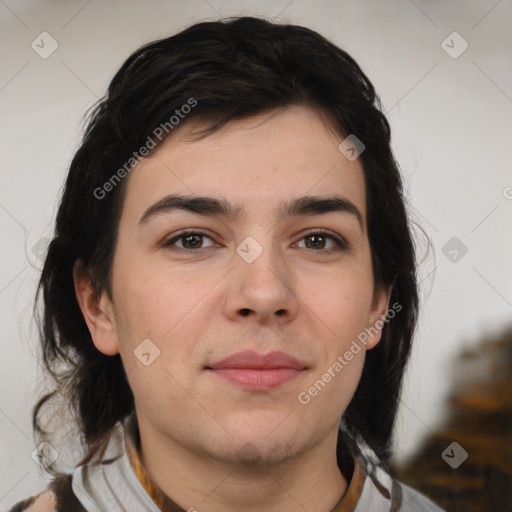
<point>261,447</point>
<point>260,455</point>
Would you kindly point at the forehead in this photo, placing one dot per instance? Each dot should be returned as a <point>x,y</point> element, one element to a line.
<point>255,163</point>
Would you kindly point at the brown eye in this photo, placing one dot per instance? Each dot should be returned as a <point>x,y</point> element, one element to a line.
<point>315,241</point>
<point>190,242</point>
<point>322,242</point>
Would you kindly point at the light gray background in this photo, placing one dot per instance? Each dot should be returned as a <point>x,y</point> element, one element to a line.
<point>451,133</point>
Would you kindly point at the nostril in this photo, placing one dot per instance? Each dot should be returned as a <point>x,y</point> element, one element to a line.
<point>245,311</point>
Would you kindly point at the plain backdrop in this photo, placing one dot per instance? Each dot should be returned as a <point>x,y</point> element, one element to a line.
<point>450,111</point>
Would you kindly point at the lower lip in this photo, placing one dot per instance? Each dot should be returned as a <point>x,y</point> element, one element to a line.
<point>257,379</point>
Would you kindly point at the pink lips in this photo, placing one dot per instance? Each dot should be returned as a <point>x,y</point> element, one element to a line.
<point>258,372</point>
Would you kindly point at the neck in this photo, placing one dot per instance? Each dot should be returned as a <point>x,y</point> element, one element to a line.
<point>311,480</point>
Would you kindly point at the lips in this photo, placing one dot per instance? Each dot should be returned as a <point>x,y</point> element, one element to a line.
<point>257,372</point>
<point>251,360</point>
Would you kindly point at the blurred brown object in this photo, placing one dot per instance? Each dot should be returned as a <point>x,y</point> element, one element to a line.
<point>480,421</point>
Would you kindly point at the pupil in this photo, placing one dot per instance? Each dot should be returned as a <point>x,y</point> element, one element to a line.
<point>316,241</point>
<point>195,240</point>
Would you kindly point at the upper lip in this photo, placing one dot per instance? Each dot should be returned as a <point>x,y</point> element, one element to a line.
<point>251,360</point>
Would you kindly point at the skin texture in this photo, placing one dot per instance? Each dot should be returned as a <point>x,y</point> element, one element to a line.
<point>208,443</point>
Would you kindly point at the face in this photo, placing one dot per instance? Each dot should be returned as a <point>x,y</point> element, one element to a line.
<point>255,269</point>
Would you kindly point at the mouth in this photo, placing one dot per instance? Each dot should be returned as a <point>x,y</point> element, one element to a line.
<point>257,372</point>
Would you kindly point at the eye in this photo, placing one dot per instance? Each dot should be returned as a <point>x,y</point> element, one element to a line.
<point>190,241</point>
<point>323,241</point>
<point>193,242</point>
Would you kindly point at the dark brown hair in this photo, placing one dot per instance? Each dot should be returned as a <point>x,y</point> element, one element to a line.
<point>233,69</point>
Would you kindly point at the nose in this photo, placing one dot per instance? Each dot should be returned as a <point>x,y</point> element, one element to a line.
<point>261,290</point>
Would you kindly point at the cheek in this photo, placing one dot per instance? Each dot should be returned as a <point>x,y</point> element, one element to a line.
<point>155,302</point>
<point>168,308</point>
<point>341,300</point>
<point>341,312</point>
<point>328,392</point>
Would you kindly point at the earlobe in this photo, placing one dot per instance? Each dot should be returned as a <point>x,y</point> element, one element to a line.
<point>97,312</point>
<point>380,307</point>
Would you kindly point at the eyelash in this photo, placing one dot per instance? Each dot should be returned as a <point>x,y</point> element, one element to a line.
<point>340,242</point>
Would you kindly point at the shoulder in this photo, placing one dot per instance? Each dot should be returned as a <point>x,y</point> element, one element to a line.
<point>381,492</point>
<point>44,502</point>
<point>58,497</point>
<point>414,501</point>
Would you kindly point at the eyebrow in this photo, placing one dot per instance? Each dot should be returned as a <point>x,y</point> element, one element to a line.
<point>211,206</point>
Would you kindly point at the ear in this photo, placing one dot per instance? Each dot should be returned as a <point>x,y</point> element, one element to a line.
<point>98,312</point>
<point>378,312</point>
